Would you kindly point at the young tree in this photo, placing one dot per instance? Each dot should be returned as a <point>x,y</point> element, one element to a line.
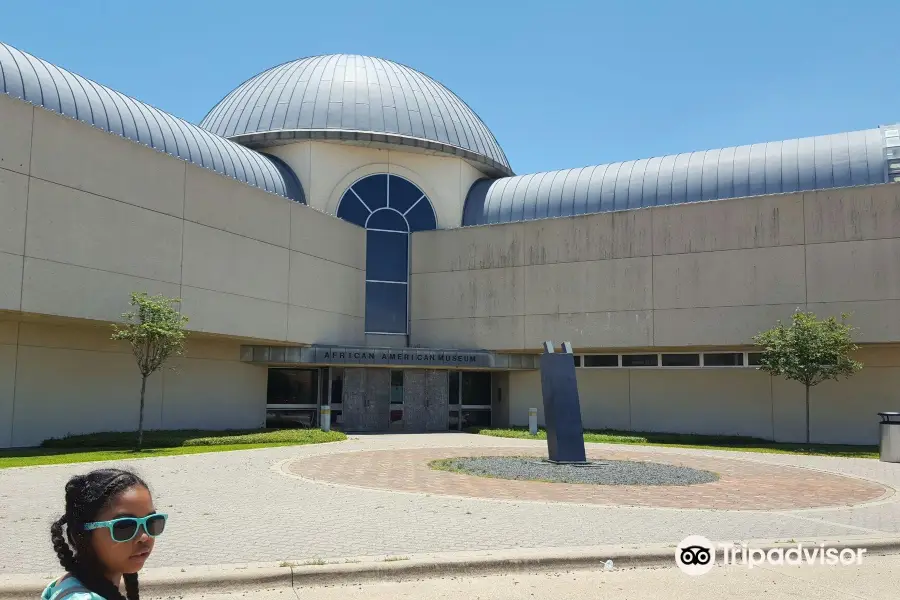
<point>809,350</point>
<point>155,330</point>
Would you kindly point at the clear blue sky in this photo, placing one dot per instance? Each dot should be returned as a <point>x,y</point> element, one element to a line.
<point>560,83</point>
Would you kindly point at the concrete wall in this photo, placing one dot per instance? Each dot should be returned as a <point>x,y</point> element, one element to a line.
<point>87,217</point>
<point>327,169</point>
<point>60,378</point>
<point>727,401</point>
<point>500,400</point>
<point>702,274</point>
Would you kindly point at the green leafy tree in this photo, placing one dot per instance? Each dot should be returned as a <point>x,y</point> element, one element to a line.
<point>809,351</point>
<point>155,330</point>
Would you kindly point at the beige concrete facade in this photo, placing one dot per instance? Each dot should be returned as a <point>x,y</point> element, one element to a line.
<point>60,377</point>
<point>702,274</point>
<point>100,217</point>
<point>86,218</point>
<point>726,401</point>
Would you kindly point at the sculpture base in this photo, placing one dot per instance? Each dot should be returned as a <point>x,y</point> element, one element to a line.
<point>575,463</point>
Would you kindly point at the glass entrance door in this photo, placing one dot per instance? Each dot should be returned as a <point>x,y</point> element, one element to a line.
<point>475,399</point>
<point>470,399</point>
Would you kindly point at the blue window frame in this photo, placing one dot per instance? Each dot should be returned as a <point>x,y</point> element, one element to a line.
<point>389,207</point>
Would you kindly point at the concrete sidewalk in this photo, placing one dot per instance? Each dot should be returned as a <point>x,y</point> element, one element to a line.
<point>875,578</point>
<point>272,577</point>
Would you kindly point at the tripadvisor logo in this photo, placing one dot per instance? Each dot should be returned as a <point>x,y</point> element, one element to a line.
<point>696,555</point>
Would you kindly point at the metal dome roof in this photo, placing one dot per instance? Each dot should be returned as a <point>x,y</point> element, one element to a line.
<point>39,82</point>
<point>355,98</point>
<point>812,163</point>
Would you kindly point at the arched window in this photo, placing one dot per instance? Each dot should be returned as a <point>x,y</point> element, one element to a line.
<point>390,208</point>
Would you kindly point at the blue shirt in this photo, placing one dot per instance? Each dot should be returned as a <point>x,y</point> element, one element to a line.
<point>68,588</point>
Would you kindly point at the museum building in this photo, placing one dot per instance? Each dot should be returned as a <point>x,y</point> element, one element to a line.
<point>345,232</point>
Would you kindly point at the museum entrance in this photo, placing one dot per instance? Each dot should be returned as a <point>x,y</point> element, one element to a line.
<point>364,399</point>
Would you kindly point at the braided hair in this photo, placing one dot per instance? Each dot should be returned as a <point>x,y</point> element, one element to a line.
<point>86,496</point>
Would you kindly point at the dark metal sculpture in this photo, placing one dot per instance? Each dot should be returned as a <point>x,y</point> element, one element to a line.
<point>562,408</point>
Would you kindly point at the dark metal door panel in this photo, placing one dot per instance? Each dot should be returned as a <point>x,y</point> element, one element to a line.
<point>367,399</point>
<point>437,400</point>
<point>378,396</point>
<point>415,410</point>
<point>353,400</point>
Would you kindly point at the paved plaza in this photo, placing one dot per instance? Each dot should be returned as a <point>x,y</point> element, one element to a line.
<point>340,500</point>
<point>742,484</point>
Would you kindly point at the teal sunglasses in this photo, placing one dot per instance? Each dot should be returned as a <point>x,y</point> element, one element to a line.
<point>126,528</point>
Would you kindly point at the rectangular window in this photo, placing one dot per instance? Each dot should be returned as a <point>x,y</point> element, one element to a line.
<point>292,386</point>
<point>387,256</point>
<point>386,307</point>
<point>476,388</point>
<point>723,359</point>
<point>454,387</point>
<point>681,360</point>
<point>396,387</point>
<point>578,361</point>
<point>753,358</point>
<point>601,360</point>
<point>640,360</point>
<point>337,385</point>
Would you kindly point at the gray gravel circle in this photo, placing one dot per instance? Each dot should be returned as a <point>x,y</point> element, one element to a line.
<point>610,472</point>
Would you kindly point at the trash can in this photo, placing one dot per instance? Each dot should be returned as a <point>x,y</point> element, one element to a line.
<point>890,437</point>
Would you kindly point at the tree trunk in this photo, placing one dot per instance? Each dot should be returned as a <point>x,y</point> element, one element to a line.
<point>807,415</point>
<point>140,439</point>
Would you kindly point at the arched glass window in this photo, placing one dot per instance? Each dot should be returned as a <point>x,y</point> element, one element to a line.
<point>390,208</point>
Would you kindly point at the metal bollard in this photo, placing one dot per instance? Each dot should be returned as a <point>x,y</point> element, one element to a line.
<point>532,421</point>
<point>325,418</point>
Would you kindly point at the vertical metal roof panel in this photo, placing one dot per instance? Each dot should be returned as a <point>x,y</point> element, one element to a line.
<point>840,160</point>
<point>694,176</point>
<point>823,165</point>
<point>773,168</point>
<point>875,154</point>
<point>756,170</point>
<point>636,183</point>
<point>622,183</point>
<point>709,180</point>
<point>664,180</point>
<point>806,164</point>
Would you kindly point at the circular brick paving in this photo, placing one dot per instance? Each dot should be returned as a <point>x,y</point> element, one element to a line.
<point>743,484</point>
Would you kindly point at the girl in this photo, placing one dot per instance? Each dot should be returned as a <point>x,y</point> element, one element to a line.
<point>110,525</point>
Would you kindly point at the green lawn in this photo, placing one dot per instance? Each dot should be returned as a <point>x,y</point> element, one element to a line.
<point>117,446</point>
<point>743,444</point>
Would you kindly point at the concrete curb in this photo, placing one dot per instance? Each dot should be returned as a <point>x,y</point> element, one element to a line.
<point>240,577</point>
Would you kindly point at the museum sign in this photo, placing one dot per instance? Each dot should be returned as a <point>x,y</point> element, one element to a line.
<point>400,357</point>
